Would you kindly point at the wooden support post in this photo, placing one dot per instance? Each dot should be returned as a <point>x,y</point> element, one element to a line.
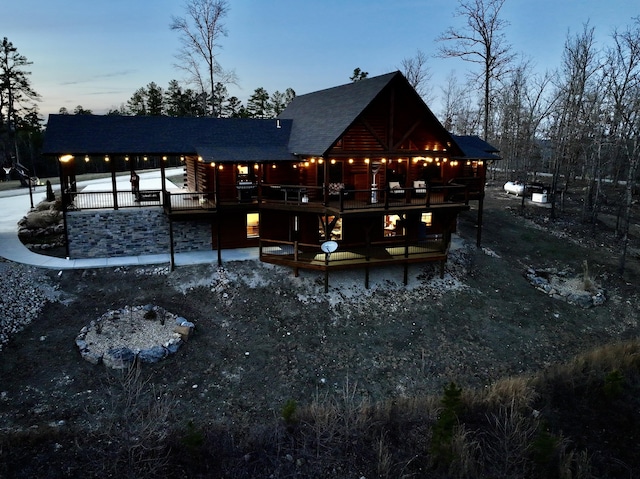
<point>326,272</point>
<point>366,276</point>
<point>114,187</point>
<point>172,260</point>
<point>479,231</point>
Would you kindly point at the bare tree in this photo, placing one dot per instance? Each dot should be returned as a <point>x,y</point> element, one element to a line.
<point>624,69</point>
<point>521,108</point>
<point>459,115</point>
<point>418,74</point>
<point>482,42</point>
<point>200,34</point>
<point>580,64</point>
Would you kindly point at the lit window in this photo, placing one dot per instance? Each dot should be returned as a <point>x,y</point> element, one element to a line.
<point>426,218</point>
<point>336,233</point>
<point>393,225</point>
<point>253,225</point>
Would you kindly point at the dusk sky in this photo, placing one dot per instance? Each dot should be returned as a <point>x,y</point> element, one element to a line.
<point>97,53</point>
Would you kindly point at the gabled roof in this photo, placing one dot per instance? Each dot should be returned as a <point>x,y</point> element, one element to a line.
<point>321,117</point>
<point>215,139</point>
<point>476,148</point>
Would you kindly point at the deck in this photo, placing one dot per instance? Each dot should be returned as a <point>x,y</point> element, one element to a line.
<point>309,256</point>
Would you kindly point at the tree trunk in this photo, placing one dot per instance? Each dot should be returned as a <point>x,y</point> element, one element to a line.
<point>626,217</point>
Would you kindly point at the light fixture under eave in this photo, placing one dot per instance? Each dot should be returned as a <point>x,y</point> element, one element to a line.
<point>126,158</point>
<point>145,158</point>
<point>106,158</point>
<point>86,158</point>
<point>164,158</point>
<point>212,164</point>
<point>221,167</point>
<point>66,158</point>
<point>350,161</point>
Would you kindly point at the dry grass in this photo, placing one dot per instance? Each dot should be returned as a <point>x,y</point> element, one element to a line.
<point>342,434</point>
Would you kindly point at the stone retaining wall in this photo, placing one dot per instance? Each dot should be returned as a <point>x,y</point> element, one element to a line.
<point>131,232</point>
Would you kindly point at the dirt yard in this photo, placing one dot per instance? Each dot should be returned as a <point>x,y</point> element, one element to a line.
<point>263,337</point>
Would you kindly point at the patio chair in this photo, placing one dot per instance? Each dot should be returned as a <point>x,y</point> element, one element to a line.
<point>420,187</point>
<point>395,188</point>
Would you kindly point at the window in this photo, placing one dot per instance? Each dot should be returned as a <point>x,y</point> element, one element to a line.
<point>336,233</point>
<point>393,225</point>
<point>253,225</point>
<point>426,218</point>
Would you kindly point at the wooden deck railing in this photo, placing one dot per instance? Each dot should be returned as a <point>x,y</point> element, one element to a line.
<point>95,200</point>
<point>348,199</point>
<point>310,256</point>
<point>298,195</point>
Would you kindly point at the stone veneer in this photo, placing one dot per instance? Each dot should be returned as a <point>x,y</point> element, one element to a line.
<point>131,232</point>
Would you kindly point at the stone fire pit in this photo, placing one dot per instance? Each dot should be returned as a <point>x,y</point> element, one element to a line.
<point>146,333</point>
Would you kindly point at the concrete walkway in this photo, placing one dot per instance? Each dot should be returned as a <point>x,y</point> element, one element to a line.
<point>15,204</point>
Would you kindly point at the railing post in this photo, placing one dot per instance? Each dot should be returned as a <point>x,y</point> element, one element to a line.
<point>167,201</point>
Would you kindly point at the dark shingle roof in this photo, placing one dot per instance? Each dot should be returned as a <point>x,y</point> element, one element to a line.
<point>321,117</point>
<point>219,139</point>
<point>474,147</point>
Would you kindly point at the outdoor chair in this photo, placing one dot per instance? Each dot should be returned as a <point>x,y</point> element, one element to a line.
<point>395,188</point>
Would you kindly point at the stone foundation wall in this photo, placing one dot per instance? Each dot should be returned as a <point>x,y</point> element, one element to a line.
<point>191,236</point>
<point>131,232</point>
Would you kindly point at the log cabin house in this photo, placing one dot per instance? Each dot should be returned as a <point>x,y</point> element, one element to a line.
<point>364,168</point>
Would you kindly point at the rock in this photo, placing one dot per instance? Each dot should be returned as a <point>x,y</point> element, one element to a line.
<point>580,299</point>
<point>91,357</point>
<point>184,332</point>
<point>118,358</point>
<point>153,355</point>
<point>598,299</point>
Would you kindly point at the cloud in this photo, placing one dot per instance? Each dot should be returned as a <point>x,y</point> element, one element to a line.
<point>115,74</point>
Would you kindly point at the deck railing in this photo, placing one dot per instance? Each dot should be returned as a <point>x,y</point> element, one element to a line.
<point>80,200</point>
<point>349,199</point>
<point>298,195</point>
<point>305,255</point>
<point>188,201</point>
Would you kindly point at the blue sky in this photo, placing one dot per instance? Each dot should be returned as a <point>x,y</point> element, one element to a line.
<point>97,53</point>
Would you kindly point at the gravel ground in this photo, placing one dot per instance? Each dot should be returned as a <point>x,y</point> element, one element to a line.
<point>25,292</point>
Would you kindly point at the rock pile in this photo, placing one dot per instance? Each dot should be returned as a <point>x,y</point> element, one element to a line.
<point>42,228</point>
<point>561,285</point>
<point>148,333</point>
<point>25,291</point>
